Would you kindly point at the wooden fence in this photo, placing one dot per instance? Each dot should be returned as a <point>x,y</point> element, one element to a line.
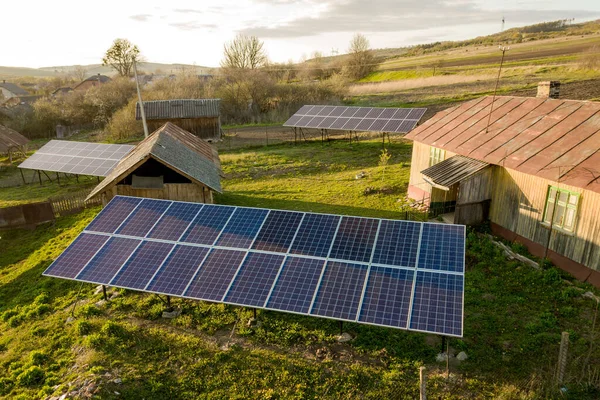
<point>71,204</point>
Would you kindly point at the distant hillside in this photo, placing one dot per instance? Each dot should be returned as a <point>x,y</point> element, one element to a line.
<point>7,72</point>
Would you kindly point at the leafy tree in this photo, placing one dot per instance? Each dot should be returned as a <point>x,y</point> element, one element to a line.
<point>244,52</point>
<point>361,61</point>
<point>121,56</point>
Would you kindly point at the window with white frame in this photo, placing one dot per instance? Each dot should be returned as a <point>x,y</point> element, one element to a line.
<point>436,155</point>
<point>562,204</point>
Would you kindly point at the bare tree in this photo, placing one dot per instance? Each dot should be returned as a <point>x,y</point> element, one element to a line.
<point>121,56</point>
<point>244,52</point>
<point>79,72</point>
<point>361,61</point>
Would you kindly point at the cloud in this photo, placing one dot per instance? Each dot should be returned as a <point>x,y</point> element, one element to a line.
<point>140,17</point>
<point>402,15</point>
<point>192,26</point>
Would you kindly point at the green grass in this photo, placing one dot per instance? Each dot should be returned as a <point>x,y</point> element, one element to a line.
<point>513,314</point>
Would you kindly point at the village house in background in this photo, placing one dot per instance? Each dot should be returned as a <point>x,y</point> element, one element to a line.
<point>170,164</point>
<point>9,90</point>
<point>532,167</point>
<point>92,81</point>
<point>198,116</point>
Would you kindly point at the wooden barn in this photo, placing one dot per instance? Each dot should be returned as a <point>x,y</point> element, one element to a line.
<point>198,116</point>
<point>11,141</point>
<point>169,164</point>
<point>533,171</point>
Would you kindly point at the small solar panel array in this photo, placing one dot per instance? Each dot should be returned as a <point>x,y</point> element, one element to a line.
<point>400,274</point>
<point>79,158</point>
<point>365,119</point>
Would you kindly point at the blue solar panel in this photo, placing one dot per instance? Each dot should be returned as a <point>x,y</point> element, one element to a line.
<point>175,221</point>
<point>208,224</point>
<point>397,243</point>
<point>253,283</point>
<point>139,269</point>
<point>278,231</point>
<point>354,240</point>
<point>242,228</point>
<point>215,275</point>
<point>442,247</point>
<point>74,258</point>
<point>143,218</point>
<point>109,259</point>
<point>315,235</point>
<point>340,291</point>
<point>387,297</point>
<point>296,285</point>
<point>175,274</point>
<point>113,215</point>
<point>438,303</point>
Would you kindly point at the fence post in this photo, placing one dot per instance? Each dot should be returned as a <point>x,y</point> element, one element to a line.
<point>423,384</point>
<point>562,357</point>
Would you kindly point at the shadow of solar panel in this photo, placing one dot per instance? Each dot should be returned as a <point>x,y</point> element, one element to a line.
<point>354,239</point>
<point>315,235</point>
<point>143,264</point>
<point>340,291</point>
<point>278,231</point>
<point>351,124</point>
<point>107,262</point>
<point>339,123</point>
<point>387,113</point>
<point>397,243</point>
<point>215,274</point>
<point>293,120</point>
<point>362,112</point>
<point>304,121</point>
<point>208,224</point>
<point>349,112</point>
<point>401,113</point>
<point>325,111</point>
<point>314,123</point>
<point>378,125</point>
<point>242,228</point>
<point>438,303</point>
<point>296,285</point>
<point>387,297</point>
<point>374,113</point>
<point>326,123</point>
<point>175,221</point>
<point>143,218</point>
<point>364,124</point>
<point>113,215</point>
<point>74,258</point>
<point>337,111</point>
<point>416,113</point>
<point>254,280</point>
<point>177,271</point>
<point>442,247</point>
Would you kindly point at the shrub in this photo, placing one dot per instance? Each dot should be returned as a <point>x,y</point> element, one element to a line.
<point>113,329</point>
<point>6,315</point>
<point>32,376</point>
<point>6,385</point>
<point>16,320</point>
<point>38,357</point>
<point>90,310</point>
<point>42,298</point>
<point>83,328</point>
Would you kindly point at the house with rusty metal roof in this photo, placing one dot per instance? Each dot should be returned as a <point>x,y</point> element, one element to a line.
<point>198,116</point>
<point>529,165</point>
<point>170,164</point>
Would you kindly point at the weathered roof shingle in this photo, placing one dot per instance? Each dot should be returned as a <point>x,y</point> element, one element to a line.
<point>11,139</point>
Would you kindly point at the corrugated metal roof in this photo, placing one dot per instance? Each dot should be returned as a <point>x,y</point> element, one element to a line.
<point>453,170</point>
<point>181,150</point>
<point>551,138</point>
<point>176,109</point>
<point>11,139</point>
<point>14,88</point>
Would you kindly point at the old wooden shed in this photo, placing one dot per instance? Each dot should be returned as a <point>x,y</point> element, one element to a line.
<point>533,171</point>
<point>11,141</point>
<point>198,116</point>
<point>170,164</point>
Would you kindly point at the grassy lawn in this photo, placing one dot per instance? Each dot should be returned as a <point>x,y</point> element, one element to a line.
<point>59,337</point>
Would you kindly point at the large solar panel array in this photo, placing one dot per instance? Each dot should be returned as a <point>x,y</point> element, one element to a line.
<point>400,274</point>
<point>79,158</point>
<point>364,119</point>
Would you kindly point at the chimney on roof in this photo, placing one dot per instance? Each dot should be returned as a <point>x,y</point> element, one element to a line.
<point>548,89</point>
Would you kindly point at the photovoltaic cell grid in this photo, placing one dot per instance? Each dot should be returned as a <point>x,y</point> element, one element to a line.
<point>369,119</point>
<point>79,158</point>
<point>401,274</point>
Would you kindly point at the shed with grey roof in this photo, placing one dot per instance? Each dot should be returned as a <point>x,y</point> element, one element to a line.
<point>198,116</point>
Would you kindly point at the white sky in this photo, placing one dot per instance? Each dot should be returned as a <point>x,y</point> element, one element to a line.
<point>44,33</point>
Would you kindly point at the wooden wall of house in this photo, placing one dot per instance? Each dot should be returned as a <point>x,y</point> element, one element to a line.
<point>171,191</point>
<point>476,188</point>
<point>419,162</point>
<point>205,128</point>
<point>518,202</point>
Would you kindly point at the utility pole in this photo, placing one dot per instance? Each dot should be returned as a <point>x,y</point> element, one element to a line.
<point>503,49</point>
<point>139,93</point>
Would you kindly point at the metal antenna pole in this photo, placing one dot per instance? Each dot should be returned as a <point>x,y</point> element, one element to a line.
<point>504,50</point>
<point>139,93</point>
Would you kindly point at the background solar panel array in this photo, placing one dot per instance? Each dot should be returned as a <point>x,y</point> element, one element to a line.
<point>79,158</point>
<point>401,274</point>
<point>365,119</point>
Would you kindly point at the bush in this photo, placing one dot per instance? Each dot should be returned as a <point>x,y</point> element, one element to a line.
<point>6,385</point>
<point>8,315</point>
<point>15,321</point>
<point>83,328</point>
<point>113,329</point>
<point>42,298</point>
<point>38,357</point>
<point>32,376</point>
<point>90,310</point>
